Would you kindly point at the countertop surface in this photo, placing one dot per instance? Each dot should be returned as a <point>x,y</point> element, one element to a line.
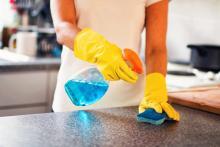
<point>109,127</point>
<point>30,65</point>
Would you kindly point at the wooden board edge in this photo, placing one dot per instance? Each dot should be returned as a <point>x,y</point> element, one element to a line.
<point>194,105</point>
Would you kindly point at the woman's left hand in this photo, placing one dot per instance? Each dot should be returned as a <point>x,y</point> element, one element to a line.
<point>156,96</point>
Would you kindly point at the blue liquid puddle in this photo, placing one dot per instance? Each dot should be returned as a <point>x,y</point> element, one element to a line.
<point>83,93</point>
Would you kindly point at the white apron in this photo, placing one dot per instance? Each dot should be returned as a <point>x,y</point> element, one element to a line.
<point>121,22</point>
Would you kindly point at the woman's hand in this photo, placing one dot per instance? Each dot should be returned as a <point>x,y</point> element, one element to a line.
<point>92,47</point>
<point>156,96</point>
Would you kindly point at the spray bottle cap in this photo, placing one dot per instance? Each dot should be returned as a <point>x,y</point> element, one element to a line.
<point>133,60</point>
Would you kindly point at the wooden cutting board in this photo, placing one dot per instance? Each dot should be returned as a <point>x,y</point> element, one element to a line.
<point>203,98</point>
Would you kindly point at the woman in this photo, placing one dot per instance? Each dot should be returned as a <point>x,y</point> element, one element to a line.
<point>95,32</point>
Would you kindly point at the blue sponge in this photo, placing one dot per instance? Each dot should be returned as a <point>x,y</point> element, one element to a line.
<point>152,117</point>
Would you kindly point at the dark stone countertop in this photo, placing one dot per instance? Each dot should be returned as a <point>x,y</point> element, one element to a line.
<point>30,65</point>
<point>109,127</point>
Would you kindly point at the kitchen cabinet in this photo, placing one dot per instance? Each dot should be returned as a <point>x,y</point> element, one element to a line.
<point>19,88</point>
<point>52,79</point>
<point>26,92</point>
<point>27,86</point>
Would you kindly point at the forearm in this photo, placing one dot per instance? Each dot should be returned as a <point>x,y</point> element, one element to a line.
<point>156,60</point>
<point>64,20</point>
<point>66,33</point>
<point>156,29</point>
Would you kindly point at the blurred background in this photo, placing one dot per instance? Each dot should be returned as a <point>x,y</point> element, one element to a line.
<point>30,54</point>
<point>29,16</point>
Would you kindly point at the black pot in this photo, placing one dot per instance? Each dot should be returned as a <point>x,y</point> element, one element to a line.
<point>205,57</point>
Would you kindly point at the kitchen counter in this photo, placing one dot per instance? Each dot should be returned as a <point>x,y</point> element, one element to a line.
<point>30,65</point>
<point>109,127</point>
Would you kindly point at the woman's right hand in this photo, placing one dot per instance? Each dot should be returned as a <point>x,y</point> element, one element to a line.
<point>92,47</point>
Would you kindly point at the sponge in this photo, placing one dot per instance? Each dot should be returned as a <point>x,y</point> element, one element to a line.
<point>152,117</point>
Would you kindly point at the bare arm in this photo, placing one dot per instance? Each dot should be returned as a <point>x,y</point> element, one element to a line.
<point>156,28</point>
<point>64,19</point>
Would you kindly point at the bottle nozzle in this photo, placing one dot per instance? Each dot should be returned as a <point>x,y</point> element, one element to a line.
<point>133,60</point>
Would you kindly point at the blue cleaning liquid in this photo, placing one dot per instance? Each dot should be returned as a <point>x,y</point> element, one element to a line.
<point>83,93</point>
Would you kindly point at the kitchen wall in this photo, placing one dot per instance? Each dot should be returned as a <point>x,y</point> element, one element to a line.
<point>6,17</point>
<point>192,22</point>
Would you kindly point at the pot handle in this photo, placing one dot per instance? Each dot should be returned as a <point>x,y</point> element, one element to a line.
<point>199,49</point>
<point>193,46</point>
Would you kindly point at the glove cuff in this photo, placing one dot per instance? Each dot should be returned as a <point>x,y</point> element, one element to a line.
<point>156,88</point>
<point>85,44</point>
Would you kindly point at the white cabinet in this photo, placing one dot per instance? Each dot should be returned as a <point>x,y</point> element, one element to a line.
<point>26,92</point>
<point>52,80</point>
<point>18,88</point>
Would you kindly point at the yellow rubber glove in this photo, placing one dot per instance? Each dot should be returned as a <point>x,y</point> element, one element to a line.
<point>94,48</point>
<point>156,96</point>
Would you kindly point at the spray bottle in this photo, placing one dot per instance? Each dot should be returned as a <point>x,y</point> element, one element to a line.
<point>88,86</point>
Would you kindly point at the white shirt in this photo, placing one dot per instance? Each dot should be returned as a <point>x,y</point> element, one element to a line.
<point>121,22</point>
